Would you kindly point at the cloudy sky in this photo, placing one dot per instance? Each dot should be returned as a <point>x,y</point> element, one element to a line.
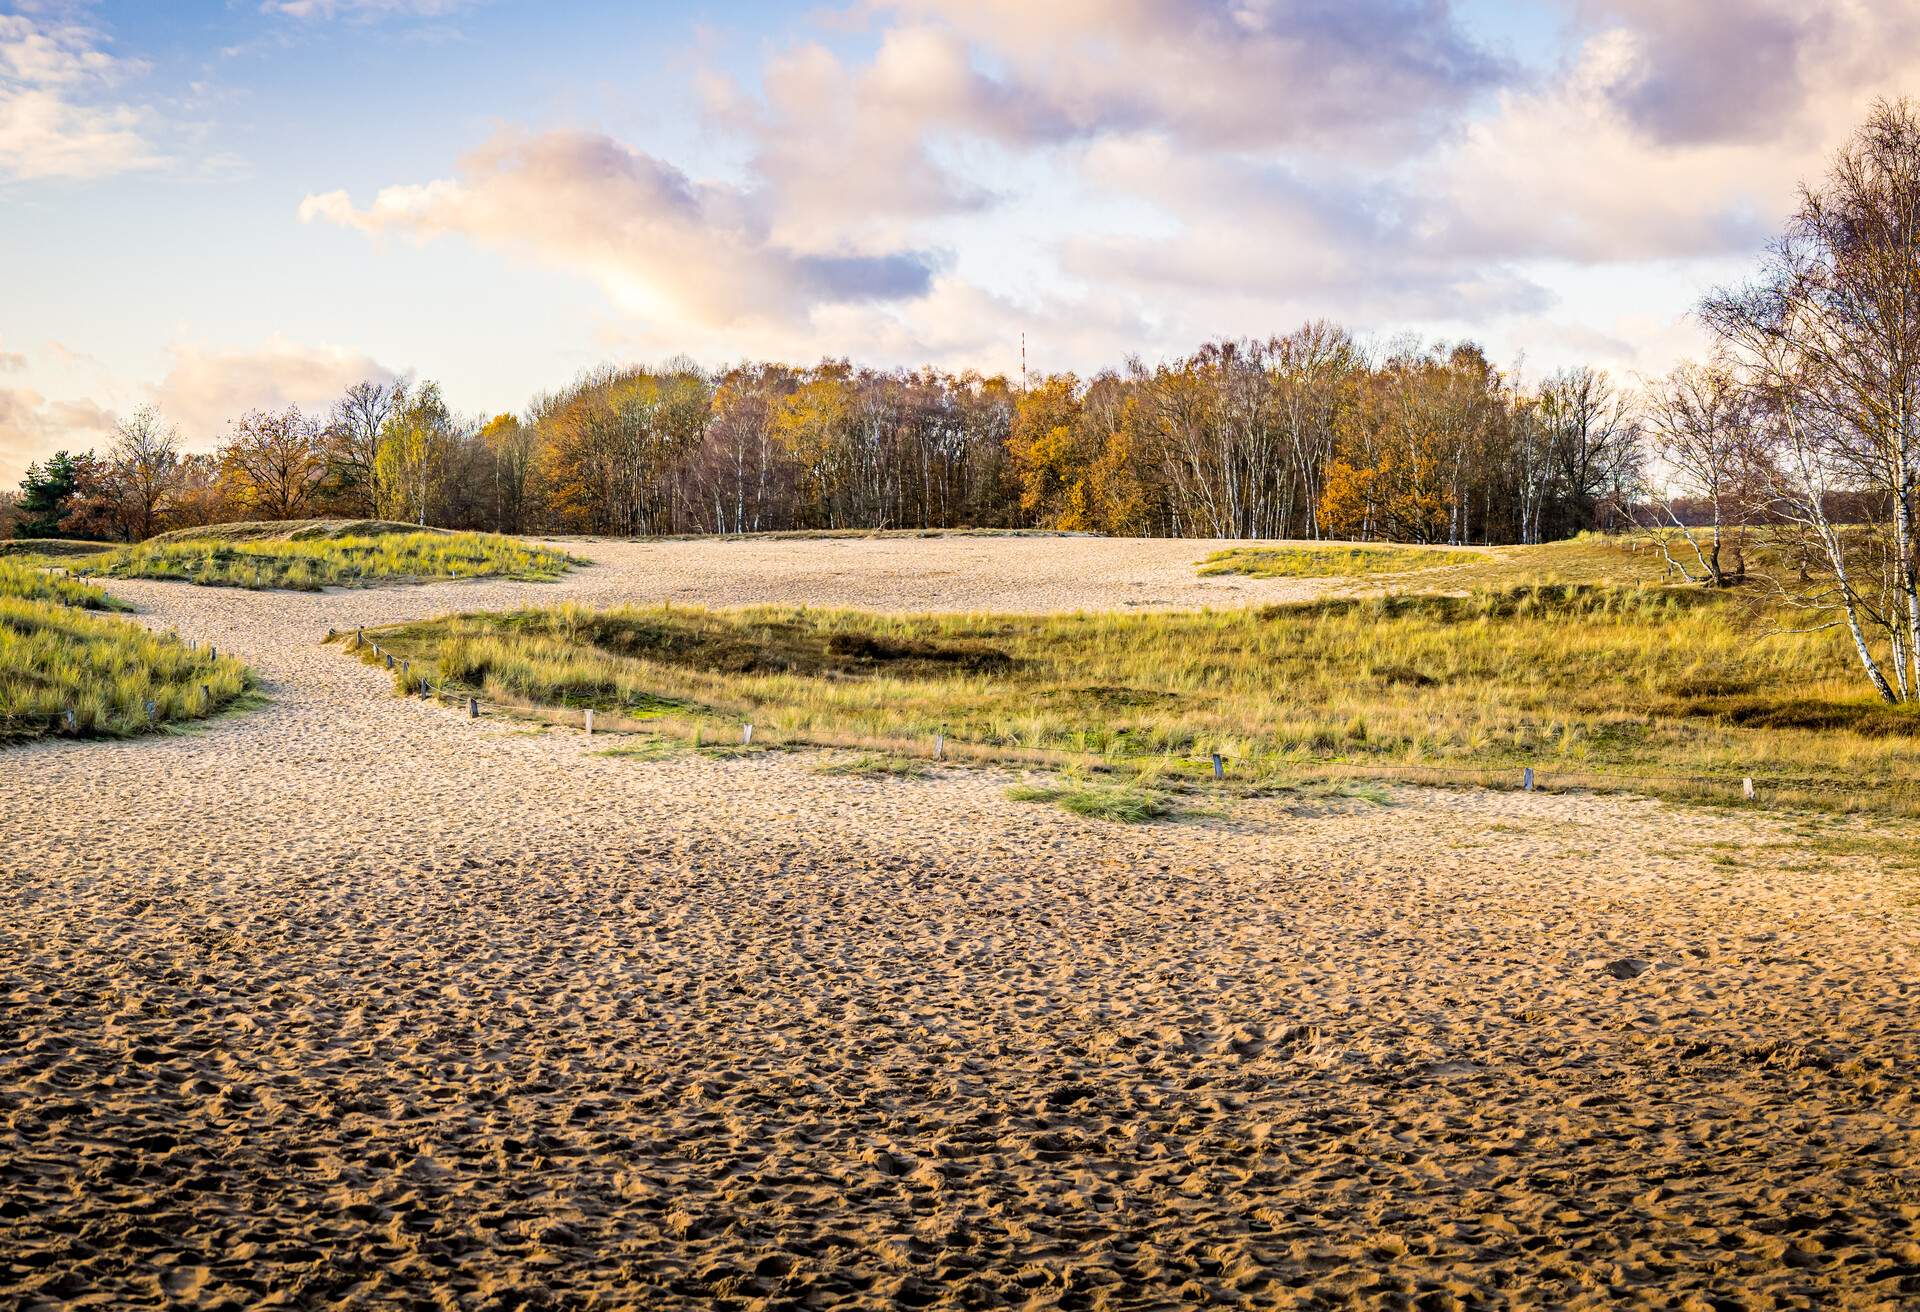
<point>217,204</point>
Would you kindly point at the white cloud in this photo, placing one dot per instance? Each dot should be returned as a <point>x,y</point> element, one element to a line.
<point>1219,74</point>
<point>205,390</point>
<point>1660,138</point>
<point>56,118</point>
<point>365,9</point>
<point>32,428</point>
<point>1138,175</point>
<point>661,244</point>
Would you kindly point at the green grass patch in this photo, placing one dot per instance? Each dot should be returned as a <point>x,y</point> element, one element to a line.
<point>23,580</point>
<point>875,765</point>
<point>59,658</point>
<point>1332,560</point>
<point>329,559</point>
<point>648,748</point>
<point>1124,804</point>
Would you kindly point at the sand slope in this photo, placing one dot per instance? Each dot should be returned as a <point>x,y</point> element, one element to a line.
<point>352,1002</point>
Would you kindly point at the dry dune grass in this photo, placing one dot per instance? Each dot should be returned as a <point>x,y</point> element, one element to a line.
<point>312,554</point>
<point>357,1002</point>
<point>1663,690</point>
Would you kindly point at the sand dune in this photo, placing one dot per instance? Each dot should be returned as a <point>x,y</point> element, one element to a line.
<point>352,1002</point>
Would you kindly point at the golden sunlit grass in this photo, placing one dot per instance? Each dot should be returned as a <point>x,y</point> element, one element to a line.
<point>328,560</point>
<point>1329,560</point>
<point>1605,684</point>
<point>114,677</point>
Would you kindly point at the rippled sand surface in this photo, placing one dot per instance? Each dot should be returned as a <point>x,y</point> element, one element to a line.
<point>352,1002</point>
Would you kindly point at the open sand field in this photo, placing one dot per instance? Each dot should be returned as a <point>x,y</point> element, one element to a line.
<point>351,1002</point>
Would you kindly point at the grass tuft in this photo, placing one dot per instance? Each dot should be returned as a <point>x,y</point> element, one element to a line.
<point>1124,804</point>
<point>877,765</point>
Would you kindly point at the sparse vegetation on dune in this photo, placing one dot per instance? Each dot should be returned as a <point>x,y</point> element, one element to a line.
<point>298,530</point>
<point>51,548</point>
<point>318,554</point>
<point>1329,560</point>
<point>57,658</point>
<point>1668,690</point>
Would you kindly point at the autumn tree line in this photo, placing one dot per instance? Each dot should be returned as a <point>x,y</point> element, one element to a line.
<point>1798,438</point>
<point>1307,435</point>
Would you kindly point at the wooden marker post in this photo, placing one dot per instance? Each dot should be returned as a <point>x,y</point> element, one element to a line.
<point>73,721</point>
<point>151,708</point>
<point>1219,766</point>
<point>473,708</point>
<point>940,745</point>
<point>589,721</point>
<point>1526,779</point>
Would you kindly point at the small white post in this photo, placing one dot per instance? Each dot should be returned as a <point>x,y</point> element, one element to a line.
<point>1526,780</point>
<point>1746,787</point>
<point>1219,766</point>
<point>589,721</point>
<point>746,736</point>
<point>939,745</point>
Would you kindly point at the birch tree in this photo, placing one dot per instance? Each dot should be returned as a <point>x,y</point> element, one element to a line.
<point>1829,339</point>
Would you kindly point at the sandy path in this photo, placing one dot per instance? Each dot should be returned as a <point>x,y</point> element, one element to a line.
<point>352,1002</point>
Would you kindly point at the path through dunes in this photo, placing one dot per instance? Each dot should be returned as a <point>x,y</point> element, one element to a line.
<point>360,1003</point>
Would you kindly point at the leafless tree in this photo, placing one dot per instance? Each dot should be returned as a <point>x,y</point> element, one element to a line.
<point>1829,338</point>
<point>353,446</point>
<point>144,469</point>
<point>1702,459</point>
